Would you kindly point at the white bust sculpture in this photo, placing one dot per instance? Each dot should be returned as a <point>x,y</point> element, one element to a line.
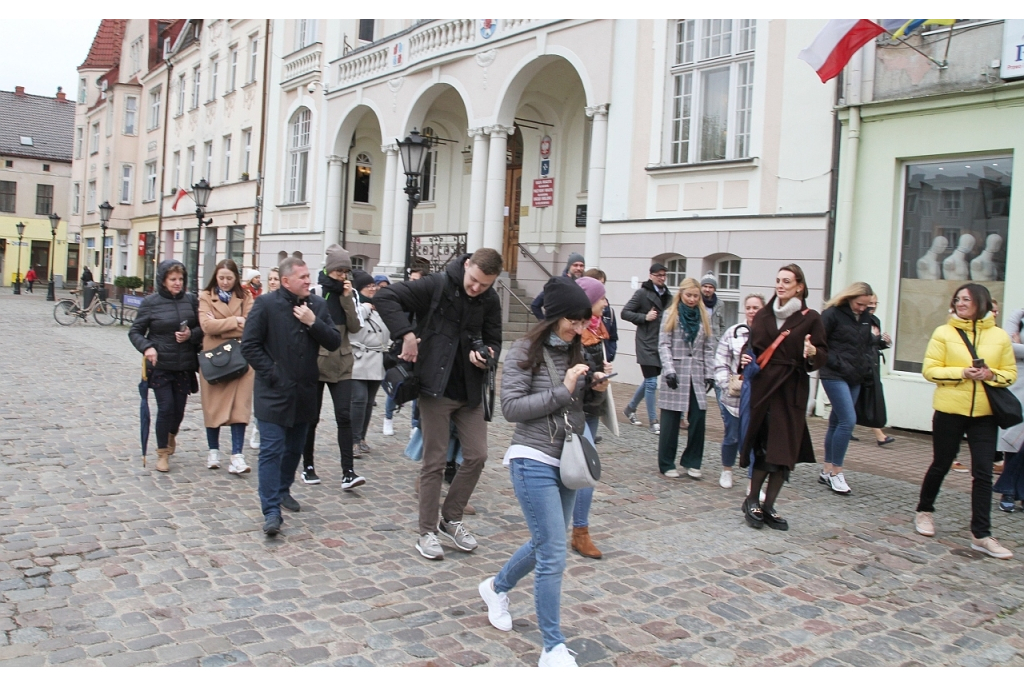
<point>956,268</point>
<point>984,266</point>
<point>928,266</point>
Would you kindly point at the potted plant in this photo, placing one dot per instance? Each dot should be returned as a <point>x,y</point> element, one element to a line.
<point>123,283</point>
<point>245,175</point>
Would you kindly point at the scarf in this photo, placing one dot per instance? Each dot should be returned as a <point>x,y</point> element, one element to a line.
<point>595,333</point>
<point>556,342</point>
<point>333,290</point>
<point>225,297</point>
<point>785,311</point>
<point>689,321</point>
<point>710,302</point>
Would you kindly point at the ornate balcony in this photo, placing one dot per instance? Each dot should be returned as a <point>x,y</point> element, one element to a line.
<point>302,63</point>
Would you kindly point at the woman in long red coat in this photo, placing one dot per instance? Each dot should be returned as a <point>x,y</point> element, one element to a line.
<point>777,432</point>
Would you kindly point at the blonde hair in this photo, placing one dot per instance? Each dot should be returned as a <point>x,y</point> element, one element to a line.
<point>850,292</point>
<point>672,315</point>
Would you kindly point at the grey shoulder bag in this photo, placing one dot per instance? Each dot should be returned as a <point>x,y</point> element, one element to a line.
<point>579,466</point>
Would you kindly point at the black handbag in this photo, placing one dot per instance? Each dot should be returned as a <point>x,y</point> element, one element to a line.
<point>223,363</point>
<point>1005,406</point>
<point>400,383</point>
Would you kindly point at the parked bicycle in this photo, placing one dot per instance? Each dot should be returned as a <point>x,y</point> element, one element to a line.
<point>69,310</point>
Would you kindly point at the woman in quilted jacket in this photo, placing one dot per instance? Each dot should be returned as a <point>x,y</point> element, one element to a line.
<point>961,406</point>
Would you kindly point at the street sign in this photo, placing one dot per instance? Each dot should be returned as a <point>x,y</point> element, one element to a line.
<point>545,167</point>
<point>543,192</point>
<point>132,300</point>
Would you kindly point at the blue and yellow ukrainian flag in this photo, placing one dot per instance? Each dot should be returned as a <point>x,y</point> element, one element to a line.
<point>911,24</point>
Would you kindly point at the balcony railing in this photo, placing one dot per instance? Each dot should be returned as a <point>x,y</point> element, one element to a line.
<point>299,64</point>
<point>423,41</point>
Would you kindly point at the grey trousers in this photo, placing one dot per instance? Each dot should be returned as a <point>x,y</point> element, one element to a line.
<point>436,413</point>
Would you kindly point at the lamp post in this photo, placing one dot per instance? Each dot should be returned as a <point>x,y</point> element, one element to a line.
<point>201,193</point>
<point>414,153</point>
<point>54,222</point>
<point>17,279</point>
<point>106,209</point>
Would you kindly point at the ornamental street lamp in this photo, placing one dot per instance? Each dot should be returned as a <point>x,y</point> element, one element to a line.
<point>201,193</point>
<point>414,153</point>
<point>54,222</point>
<point>106,209</point>
<point>17,278</point>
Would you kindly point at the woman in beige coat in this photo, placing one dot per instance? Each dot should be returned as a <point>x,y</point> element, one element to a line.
<point>223,307</point>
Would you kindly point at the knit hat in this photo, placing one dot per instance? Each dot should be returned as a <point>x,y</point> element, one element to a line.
<point>564,298</point>
<point>338,259</point>
<point>656,267</point>
<point>381,278</point>
<point>709,279</point>
<point>361,279</point>
<point>573,258</point>
<point>592,287</point>
<point>249,274</point>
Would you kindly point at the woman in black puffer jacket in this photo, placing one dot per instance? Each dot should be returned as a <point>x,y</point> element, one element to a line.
<point>167,332</point>
<point>851,348</point>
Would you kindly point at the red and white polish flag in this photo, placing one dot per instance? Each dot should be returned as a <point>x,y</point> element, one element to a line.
<point>837,43</point>
<point>181,193</point>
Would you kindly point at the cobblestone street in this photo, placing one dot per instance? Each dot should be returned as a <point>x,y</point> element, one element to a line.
<point>104,562</point>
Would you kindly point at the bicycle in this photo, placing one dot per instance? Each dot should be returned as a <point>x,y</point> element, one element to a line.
<point>68,310</point>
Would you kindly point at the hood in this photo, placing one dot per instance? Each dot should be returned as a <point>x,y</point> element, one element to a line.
<point>966,325</point>
<point>456,269</point>
<point>161,274</point>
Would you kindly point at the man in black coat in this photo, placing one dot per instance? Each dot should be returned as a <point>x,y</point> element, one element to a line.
<point>644,310</point>
<point>457,314</point>
<point>283,336</point>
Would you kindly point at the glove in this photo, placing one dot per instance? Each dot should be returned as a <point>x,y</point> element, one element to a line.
<point>710,383</point>
<point>671,381</point>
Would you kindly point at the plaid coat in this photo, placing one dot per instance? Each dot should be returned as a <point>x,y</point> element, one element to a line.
<point>692,364</point>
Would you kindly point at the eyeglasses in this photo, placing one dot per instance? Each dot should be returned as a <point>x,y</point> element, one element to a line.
<point>577,323</point>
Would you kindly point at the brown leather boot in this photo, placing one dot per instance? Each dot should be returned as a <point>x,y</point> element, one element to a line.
<point>582,543</point>
<point>163,455</point>
<point>171,442</point>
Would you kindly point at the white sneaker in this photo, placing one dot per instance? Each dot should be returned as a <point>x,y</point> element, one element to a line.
<point>725,480</point>
<point>389,427</point>
<point>837,481</point>
<point>671,473</point>
<point>559,656</point>
<point>238,465</point>
<point>497,605</point>
<point>694,473</point>
<point>656,429</point>
<point>254,440</point>
<point>213,460</point>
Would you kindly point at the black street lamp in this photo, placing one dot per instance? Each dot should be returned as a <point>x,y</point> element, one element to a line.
<point>414,153</point>
<point>201,193</point>
<point>17,279</point>
<point>54,222</point>
<point>105,211</point>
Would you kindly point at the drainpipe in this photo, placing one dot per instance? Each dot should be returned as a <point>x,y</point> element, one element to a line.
<point>257,224</point>
<point>848,177</point>
<point>163,173</point>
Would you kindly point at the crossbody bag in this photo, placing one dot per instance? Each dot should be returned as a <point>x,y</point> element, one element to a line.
<point>579,466</point>
<point>1005,405</point>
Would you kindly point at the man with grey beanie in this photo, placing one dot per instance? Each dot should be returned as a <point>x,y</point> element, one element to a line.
<point>715,307</point>
<point>575,265</point>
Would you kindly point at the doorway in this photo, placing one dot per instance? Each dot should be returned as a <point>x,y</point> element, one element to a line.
<point>209,254</point>
<point>72,271</point>
<point>513,200</point>
<point>41,259</point>
<point>190,252</point>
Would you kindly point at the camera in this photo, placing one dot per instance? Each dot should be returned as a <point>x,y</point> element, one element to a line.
<point>477,345</point>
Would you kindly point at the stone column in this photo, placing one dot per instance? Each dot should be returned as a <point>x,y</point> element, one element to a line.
<point>477,190</point>
<point>494,210</point>
<point>401,216</point>
<point>332,221</point>
<point>387,225</point>
<point>595,183</point>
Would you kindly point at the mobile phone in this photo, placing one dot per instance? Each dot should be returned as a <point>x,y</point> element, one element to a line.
<point>183,326</point>
<point>591,381</point>
<point>978,363</point>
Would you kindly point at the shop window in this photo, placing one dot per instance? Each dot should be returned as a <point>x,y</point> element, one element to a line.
<point>364,168</point>
<point>675,272</point>
<point>964,240</point>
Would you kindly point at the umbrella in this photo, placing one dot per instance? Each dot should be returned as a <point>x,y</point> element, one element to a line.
<point>144,412</point>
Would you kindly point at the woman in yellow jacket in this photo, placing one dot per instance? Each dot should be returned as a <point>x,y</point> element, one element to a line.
<point>961,406</point>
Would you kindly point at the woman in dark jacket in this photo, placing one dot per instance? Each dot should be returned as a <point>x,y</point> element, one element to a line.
<point>871,410</point>
<point>167,332</point>
<point>788,342</point>
<point>537,401</point>
<point>851,348</point>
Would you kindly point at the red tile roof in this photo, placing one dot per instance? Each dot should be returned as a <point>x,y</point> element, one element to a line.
<point>106,46</point>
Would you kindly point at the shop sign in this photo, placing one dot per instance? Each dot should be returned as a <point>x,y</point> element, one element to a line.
<point>543,192</point>
<point>1012,64</point>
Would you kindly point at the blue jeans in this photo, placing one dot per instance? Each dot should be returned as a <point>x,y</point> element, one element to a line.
<point>645,391</point>
<point>584,496</point>
<point>237,437</point>
<point>280,452</point>
<point>547,508</point>
<point>841,421</point>
<point>390,406</point>
<point>731,440</point>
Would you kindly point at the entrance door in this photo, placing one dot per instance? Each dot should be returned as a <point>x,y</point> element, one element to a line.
<point>513,200</point>
<point>72,272</point>
<point>41,259</point>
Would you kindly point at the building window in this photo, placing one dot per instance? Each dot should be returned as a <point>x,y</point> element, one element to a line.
<point>208,156</point>
<point>94,139</point>
<point>110,114</point>
<point>227,158</point>
<point>90,204</point>
<point>135,55</point>
<point>214,68</point>
<point>181,94</point>
<point>130,110</point>
<point>79,138</point>
<point>247,151</point>
<point>364,168</point>
<point>83,91</point>
<point>76,198</point>
<point>675,271</point>
<point>196,84</point>
<point>46,167</point>
<point>8,164</point>
<point>728,273</point>
<point>359,263</point>
<point>8,196</point>
<point>44,199</point>
<point>712,74</point>
<point>254,42</point>
<point>305,33</point>
<point>298,156</point>
<point>175,169</point>
<point>126,183</point>
<point>236,244</point>
<point>150,181</point>
<point>366,30</point>
<point>964,240</point>
<point>233,68</point>
<point>191,166</point>
<point>155,97</point>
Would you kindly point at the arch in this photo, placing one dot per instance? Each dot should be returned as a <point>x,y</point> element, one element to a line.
<point>424,97</point>
<point>349,121</point>
<point>512,89</point>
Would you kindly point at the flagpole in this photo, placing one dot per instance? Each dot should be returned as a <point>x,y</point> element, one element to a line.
<point>940,65</point>
<point>945,56</point>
